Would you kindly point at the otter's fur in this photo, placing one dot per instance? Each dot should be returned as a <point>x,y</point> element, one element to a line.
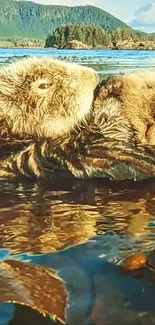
<point>136,94</point>
<point>109,145</point>
<point>42,97</point>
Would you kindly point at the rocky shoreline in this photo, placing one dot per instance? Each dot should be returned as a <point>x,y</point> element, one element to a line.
<point>78,45</point>
<point>120,45</point>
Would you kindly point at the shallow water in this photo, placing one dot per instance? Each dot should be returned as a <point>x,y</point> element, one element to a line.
<point>60,240</point>
<point>104,61</point>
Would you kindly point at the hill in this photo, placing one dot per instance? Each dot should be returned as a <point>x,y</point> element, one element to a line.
<point>25,19</point>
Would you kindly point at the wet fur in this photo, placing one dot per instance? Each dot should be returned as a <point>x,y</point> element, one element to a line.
<point>111,144</point>
<point>136,94</point>
<point>107,146</point>
<point>45,97</point>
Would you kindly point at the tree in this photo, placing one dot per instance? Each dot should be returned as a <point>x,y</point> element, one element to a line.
<point>89,34</point>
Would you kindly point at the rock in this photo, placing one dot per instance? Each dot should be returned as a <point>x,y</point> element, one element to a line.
<point>134,261</point>
<point>74,44</point>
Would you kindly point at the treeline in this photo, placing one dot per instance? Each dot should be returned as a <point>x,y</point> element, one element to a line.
<point>93,36</point>
<point>21,42</point>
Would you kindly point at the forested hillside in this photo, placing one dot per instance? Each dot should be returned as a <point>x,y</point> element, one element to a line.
<point>28,24</point>
<point>25,19</point>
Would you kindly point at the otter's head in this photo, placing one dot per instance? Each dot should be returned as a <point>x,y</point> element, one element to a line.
<point>45,97</point>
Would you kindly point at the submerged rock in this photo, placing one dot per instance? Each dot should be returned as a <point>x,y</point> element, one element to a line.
<point>134,261</point>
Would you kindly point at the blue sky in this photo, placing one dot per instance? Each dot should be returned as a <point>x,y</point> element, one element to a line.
<point>139,14</point>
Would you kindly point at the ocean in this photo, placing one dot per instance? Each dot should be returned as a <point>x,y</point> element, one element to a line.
<point>61,240</point>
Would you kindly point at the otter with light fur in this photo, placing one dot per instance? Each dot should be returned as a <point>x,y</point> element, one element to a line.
<point>41,98</point>
<point>111,144</point>
<point>136,94</point>
<point>45,97</point>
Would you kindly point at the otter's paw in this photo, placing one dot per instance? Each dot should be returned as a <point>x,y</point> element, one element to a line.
<point>27,163</point>
<point>111,87</point>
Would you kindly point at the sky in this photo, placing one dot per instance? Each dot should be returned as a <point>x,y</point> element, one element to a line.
<point>139,14</point>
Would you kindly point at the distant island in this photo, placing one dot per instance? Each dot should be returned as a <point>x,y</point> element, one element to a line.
<point>28,24</point>
<point>76,36</point>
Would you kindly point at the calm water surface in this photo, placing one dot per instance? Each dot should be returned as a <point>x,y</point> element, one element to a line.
<point>61,240</point>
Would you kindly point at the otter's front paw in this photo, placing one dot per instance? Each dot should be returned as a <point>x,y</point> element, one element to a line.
<point>114,85</point>
<point>27,163</point>
<point>111,87</point>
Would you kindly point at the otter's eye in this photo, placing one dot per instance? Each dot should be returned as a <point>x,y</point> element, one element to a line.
<point>44,86</point>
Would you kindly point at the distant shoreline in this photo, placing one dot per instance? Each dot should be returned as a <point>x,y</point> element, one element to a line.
<point>21,47</point>
<point>73,49</point>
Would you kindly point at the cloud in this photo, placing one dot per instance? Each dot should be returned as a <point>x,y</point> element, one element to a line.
<point>144,18</point>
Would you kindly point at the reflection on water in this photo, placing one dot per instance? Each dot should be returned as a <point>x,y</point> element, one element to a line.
<point>46,217</point>
<point>98,291</point>
<point>80,230</point>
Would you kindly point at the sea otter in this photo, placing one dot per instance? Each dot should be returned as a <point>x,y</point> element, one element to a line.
<point>42,97</point>
<point>109,144</point>
<point>136,93</point>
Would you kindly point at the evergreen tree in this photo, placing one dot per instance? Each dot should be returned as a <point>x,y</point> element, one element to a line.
<point>89,34</point>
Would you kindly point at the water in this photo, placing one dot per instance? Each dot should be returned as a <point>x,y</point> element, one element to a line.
<point>60,240</point>
<point>104,61</point>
